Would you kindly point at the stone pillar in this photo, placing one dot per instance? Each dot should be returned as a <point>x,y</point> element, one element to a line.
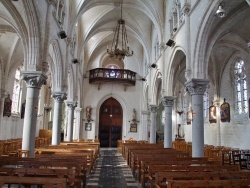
<point>34,81</point>
<point>196,88</point>
<point>144,125</point>
<point>71,107</point>
<point>168,102</point>
<point>153,109</point>
<point>59,97</point>
<point>78,127</point>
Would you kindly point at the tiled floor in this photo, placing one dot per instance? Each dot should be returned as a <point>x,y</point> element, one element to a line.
<point>111,171</point>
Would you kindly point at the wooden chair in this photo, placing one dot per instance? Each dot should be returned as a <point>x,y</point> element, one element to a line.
<point>226,155</point>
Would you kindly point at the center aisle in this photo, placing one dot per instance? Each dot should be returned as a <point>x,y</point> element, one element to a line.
<point>111,170</point>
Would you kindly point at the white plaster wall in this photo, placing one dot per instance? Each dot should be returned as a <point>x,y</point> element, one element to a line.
<point>128,99</point>
<point>235,133</point>
<point>11,128</point>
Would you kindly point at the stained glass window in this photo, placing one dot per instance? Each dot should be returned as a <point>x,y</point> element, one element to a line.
<point>205,103</point>
<point>240,87</point>
<point>16,92</point>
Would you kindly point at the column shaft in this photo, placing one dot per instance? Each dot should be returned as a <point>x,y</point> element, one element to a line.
<point>168,104</point>
<point>57,120</point>
<point>196,88</point>
<point>71,106</point>
<point>34,81</point>
<point>29,127</point>
<point>197,126</point>
<point>59,97</point>
<point>144,125</point>
<point>78,131</point>
<point>153,109</point>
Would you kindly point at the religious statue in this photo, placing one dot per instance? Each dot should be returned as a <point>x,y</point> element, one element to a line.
<point>88,113</point>
<point>7,106</point>
<point>134,115</point>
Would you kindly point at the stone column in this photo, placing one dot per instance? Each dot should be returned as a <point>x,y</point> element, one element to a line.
<point>196,88</point>
<point>78,127</point>
<point>153,109</point>
<point>144,125</point>
<point>59,97</point>
<point>168,102</point>
<point>71,107</point>
<point>34,81</point>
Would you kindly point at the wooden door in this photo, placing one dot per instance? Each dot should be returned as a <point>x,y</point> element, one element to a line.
<point>110,123</point>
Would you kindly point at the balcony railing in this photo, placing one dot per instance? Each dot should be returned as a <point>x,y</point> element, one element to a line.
<point>103,75</point>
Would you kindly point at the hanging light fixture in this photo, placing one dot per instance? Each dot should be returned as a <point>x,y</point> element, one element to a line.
<point>119,48</point>
<point>221,13</point>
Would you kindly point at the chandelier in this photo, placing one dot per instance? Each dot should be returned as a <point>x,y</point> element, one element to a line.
<point>119,48</point>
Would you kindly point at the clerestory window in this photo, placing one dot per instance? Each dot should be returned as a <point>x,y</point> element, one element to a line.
<point>16,92</point>
<point>205,103</point>
<point>240,87</point>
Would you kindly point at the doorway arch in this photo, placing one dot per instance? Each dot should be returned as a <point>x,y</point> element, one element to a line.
<point>110,123</point>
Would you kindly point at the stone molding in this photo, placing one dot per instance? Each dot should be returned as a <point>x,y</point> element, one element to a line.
<point>145,112</point>
<point>59,96</point>
<point>71,104</point>
<point>168,101</point>
<point>153,108</point>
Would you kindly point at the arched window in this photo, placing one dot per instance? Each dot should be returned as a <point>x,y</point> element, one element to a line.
<point>205,103</point>
<point>113,73</point>
<point>16,92</point>
<point>240,87</point>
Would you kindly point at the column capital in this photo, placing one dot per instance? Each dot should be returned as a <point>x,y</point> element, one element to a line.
<point>168,101</point>
<point>197,86</point>
<point>34,79</point>
<point>71,104</point>
<point>59,96</point>
<point>153,108</point>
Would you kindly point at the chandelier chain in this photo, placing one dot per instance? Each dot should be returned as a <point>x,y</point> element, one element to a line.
<point>120,36</point>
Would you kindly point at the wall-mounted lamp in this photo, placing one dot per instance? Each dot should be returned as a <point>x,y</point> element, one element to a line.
<point>154,65</point>
<point>62,34</point>
<point>221,13</point>
<point>75,61</point>
<point>170,43</point>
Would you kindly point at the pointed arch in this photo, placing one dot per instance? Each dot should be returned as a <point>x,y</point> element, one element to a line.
<point>55,61</point>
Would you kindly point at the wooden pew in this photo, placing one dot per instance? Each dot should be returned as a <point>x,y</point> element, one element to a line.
<point>47,182</point>
<point>126,147</point>
<point>154,165</point>
<point>77,148</point>
<point>159,173</point>
<point>163,178</point>
<point>64,151</point>
<point>139,147</point>
<point>208,183</point>
<point>134,153</point>
<point>142,159</point>
<point>83,144</point>
<point>71,168</point>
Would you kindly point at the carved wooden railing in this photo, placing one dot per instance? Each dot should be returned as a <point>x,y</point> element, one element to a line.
<point>103,75</point>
